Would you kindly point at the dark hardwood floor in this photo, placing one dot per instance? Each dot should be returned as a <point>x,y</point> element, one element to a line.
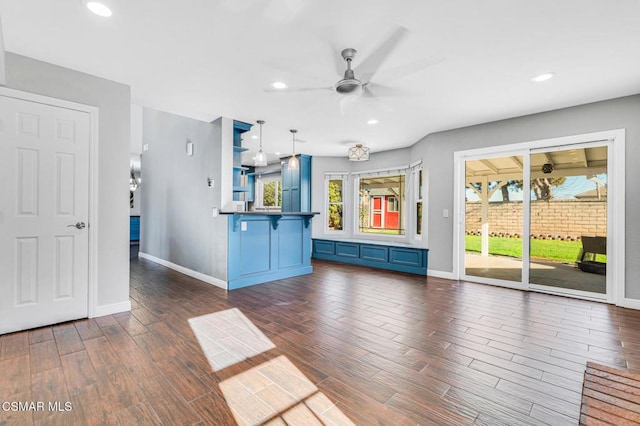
<point>386,348</point>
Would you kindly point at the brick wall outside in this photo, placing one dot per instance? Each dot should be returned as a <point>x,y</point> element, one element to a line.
<point>561,219</point>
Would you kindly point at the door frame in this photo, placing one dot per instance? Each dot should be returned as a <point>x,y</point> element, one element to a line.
<point>92,226</point>
<point>615,140</point>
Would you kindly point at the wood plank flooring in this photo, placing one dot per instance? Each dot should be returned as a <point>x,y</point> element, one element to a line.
<point>383,347</point>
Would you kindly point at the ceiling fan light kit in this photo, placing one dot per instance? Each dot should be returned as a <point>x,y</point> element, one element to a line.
<point>359,153</point>
<point>261,156</point>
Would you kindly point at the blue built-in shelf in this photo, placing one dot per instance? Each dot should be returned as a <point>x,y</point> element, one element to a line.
<point>375,255</point>
<point>238,170</point>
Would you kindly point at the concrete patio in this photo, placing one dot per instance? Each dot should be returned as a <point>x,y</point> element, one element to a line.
<point>542,272</point>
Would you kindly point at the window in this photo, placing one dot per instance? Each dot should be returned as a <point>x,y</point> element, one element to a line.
<point>392,204</point>
<point>335,202</point>
<point>381,203</point>
<point>269,192</point>
<point>418,177</point>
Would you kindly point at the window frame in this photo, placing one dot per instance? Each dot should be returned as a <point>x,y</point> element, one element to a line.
<point>402,206</point>
<point>418,181</point>
<point>259,196</point>
<point>328,177</point>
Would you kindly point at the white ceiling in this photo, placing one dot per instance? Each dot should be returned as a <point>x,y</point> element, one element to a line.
<point>206,58</point>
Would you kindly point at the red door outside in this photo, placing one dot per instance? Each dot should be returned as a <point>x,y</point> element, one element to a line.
<point>376,212</point>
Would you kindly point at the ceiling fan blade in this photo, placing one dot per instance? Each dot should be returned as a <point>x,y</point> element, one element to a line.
<point>368,68</point>
<point>299,89</point>
<point>378,90</point>
<point>339,63</point>
<point>396,73</point>
<point>346,104</point>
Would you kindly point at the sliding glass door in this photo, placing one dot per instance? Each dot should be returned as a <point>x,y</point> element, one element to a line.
<point>550,204</point>
<point>493,218</point>
<point>568,225</point>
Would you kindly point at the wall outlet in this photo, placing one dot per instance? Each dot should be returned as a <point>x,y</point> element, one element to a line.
<point>243,226</point>
<point>145,147</point>
<point>215,212</point>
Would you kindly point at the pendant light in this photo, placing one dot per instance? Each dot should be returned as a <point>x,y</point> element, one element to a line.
<point>133,182</point>
<point>293,161</point>
<point>261,157</point>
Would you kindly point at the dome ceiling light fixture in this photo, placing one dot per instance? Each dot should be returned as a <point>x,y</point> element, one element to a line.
<point>293,161</point>
<point>359,153</point>
<point>261,157</point>
<point>547,168</point>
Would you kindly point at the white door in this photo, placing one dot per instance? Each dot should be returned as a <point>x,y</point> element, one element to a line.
<point>44,182</point>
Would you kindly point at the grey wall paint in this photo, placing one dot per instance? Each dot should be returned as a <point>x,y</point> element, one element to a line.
<point>177,225</point>
<point>437,151</point>
<point>322,165</point>
<point>113,99</point>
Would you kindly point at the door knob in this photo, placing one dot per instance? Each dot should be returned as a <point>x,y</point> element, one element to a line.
<point>79,225</point>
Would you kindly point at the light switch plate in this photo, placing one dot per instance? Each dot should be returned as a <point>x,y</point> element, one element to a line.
<point>243,226</point>
<point>445,213</point>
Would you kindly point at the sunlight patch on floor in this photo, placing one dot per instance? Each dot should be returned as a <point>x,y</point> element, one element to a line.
<point>276,392</point>
<point>228,337</point>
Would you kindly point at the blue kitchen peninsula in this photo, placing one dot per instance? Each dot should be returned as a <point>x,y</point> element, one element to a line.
<point>267,246</point>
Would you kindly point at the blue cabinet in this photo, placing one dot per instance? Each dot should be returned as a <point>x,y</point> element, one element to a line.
<point>134,228</point>
<point>384,256</point>
<point>296,185</point>
<point>267,247</point>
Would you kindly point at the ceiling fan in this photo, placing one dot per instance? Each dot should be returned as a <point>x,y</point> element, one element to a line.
<point>358,81</point>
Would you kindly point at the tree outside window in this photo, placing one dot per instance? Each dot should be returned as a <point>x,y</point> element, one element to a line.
<point>271,194</point>
<point>335,205</point>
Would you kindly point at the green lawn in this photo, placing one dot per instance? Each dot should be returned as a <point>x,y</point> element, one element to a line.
<point>559,251</point>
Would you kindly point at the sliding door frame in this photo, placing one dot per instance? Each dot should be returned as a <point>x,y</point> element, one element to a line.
<point>615,142</point>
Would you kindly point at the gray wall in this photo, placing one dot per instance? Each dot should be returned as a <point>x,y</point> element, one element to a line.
<point>437,151</point>
<point>113,100</point>
<point>177,225</point>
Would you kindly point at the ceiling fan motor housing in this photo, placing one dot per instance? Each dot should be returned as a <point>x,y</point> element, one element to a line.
<point>348,86</point>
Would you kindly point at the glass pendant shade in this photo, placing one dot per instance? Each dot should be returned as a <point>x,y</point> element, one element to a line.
<point>261,156</point>
<point>358,153</point>
<point>133,182</point>
<point>293,161</point>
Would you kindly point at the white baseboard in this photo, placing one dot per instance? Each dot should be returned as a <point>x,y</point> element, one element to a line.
<point>440,274</point>
<point>630,303</point>
<point>190,272</point>
<point>113,308</point>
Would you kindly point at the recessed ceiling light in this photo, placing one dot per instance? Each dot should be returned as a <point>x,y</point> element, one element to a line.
<point>279,85</point>
<point>99,9</point>
<point>276,153</point>
<point>543,77</point>
<point>254,137</point>
<point>372,121</point>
